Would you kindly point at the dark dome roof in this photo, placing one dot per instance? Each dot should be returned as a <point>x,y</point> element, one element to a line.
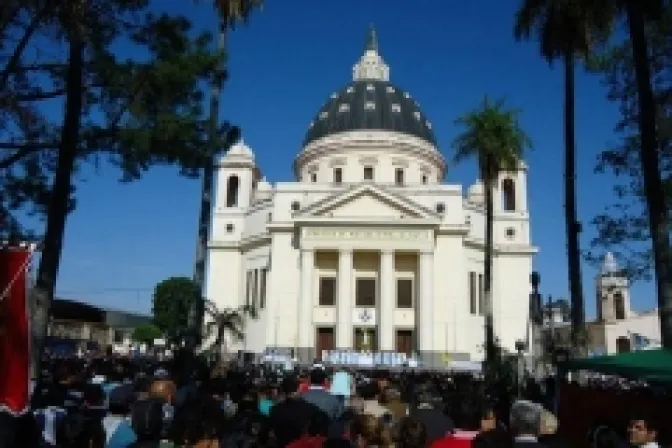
<point>374,105</point>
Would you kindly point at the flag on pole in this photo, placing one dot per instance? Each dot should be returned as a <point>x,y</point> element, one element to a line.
<point>15,334</point>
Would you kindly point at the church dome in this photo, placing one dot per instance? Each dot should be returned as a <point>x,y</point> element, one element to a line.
<point>370,105</point>
<point>370,102</point>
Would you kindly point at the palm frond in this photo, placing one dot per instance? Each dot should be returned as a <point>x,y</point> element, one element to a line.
<point>492,135</point>
<point>233,12</point>
<point>565,26</point>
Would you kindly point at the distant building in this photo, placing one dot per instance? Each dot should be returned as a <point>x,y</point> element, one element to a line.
<point>618,328</point>
<point>83,323</point>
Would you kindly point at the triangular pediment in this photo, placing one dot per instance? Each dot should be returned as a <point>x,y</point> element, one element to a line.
<point>367,201</point>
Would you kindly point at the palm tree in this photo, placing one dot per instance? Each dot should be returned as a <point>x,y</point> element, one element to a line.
<point>231,12</point>
<point>637,13</point>
<point>566,30</point>
<point>494,137</point>
<point>225,322</point>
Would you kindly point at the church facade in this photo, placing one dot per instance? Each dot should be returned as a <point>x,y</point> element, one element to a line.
<point>368,249</point>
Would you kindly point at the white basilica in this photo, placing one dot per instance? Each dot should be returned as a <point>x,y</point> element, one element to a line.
<point>368,249</point>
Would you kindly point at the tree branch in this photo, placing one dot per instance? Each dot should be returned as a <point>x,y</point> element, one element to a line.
<point>7,162</point>
<point>14,60</point>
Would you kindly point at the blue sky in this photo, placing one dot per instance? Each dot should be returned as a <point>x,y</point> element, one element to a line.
<point>123,239</point>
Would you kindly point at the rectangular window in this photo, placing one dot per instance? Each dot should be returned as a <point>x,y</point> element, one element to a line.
<point>472,293</point>
<point>313,177</point>
<point>255,287</point>
<point>338,175</point>
<point>262,288</point>
<point>481,296</point>
<point>368,173</point>
<point>118,336</point>
<point>248,289</point>
<point>399,176</point>
<point>365,292</point>
<point>404,293</point>
<point>327,294</point>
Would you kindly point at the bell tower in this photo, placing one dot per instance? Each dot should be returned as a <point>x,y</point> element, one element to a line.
<point>236,179</point>
<point>613,291</point>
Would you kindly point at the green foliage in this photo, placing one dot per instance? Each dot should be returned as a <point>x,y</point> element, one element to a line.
<point>146,333</point>
<point>227,321</point>
<point>493,136</point>
<point>171,302</point>
<point>143,81</point>
<point>623,227</point>
<point>232,12</point>
<point>565,27</point>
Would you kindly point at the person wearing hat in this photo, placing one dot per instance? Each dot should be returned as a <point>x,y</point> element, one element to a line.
<point>118,430</point>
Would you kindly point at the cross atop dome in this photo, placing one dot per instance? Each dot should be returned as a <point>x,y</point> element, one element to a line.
<point>372,39</point>
<point>371,66</point>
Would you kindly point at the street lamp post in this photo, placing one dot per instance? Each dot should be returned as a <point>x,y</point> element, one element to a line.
<point>536,320</point>
<point>520,348</point>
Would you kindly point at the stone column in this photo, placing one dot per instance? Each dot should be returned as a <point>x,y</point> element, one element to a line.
<point>306,331</point>
<point>344,300</point>
<point>387,303</point>
<point>425,323</point>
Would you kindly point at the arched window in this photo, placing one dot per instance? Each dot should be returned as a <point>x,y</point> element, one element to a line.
<point>619,306</point>
<point>509,195</point>
<point>232,191</point>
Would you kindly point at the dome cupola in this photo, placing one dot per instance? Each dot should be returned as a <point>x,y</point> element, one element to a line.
<point>370,102</point>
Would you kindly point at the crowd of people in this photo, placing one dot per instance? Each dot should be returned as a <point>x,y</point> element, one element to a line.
<point>120,403</point>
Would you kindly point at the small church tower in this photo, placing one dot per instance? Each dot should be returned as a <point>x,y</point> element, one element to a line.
<point>236,180</point>
<point>613,292</point>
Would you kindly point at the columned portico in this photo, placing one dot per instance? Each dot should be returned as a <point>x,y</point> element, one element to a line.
<point>344,301</point>
<point>365,266</point>
<point>387,302</point>
<point>425,322</point>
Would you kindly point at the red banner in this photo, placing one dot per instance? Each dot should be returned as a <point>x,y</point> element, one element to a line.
<point>14,331</point>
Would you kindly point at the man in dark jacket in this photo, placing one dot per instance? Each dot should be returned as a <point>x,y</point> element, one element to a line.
<point>288,418</point>
<point>428,412</point>
<point>316,395</point>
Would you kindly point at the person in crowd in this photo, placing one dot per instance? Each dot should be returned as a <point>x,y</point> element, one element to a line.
<point>525,423</point>
<point>77,430</point>
<point>370,394</point>
<point>467,420</point>
<point>117,425</point>
<point>265,401</point>
<point>147,420</point>
<point>604,436</point>
<point>642,431</point>
<point>391,399</point>
<point>164,391</point>
<point>318,396</point>
<point>412,434</point>
<point>430,413</point>
<point>286,417</point>
<point>141,386</point>
<point>199,422</point>
<point>369,431</point>
<point>548,435</point>
<point>93,401</point>
<point>314,432</point>
<point>49,413</point>
<point>342,385</point>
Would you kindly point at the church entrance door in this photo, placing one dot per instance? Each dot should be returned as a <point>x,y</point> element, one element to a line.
<point>366,339</point>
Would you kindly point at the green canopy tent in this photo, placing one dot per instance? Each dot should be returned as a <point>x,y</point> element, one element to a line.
<point>652,364</point>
